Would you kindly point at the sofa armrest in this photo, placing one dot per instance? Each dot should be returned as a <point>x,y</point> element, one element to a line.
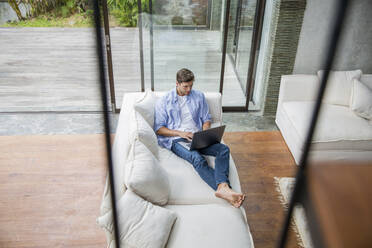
<point>298,88</point>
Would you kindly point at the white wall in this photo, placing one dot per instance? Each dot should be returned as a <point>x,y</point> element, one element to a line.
<point>355,49</point>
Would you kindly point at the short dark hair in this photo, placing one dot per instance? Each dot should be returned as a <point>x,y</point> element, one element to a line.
<point>185,75</point>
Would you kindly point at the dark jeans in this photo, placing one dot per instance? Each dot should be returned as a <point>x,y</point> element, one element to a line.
<point>213,177</point>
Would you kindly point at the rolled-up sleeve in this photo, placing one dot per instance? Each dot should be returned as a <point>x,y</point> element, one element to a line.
<point>160,115</point>
<point>205,115</point>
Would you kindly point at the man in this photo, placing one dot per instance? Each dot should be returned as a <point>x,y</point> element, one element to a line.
<point>179,114</point>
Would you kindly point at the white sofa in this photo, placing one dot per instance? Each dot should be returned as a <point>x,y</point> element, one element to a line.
<point>340,133</point>
<point>202,219</point>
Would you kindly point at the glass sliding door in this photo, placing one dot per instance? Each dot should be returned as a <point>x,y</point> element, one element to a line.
<point>186,13</point>
<point>244,48</point>
<point>244,40</point>
<point>194,34</point>
<point>123,35</point>
<point>177,36</point>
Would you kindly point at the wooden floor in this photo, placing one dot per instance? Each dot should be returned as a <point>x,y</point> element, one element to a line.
<point>51,188</point>
<point>260,156</point>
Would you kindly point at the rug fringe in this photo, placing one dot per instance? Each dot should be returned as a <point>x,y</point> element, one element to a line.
<point>285,206</point>
<point>280,196</point>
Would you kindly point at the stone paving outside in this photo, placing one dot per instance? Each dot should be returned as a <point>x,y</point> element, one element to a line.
<point>48,80</point>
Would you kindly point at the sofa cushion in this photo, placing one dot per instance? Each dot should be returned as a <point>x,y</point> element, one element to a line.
<point>210,225</point>
<point>145,177</point>
<point>338,89</point>
<point>214,101</point>
<point>186,186</point>
<point>141,224</point>
<point>145,106</point>
<point>144,132</point>
<point>338,128</point>
<point>361,100</point>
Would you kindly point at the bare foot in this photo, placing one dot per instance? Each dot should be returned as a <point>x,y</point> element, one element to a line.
<point>234,198</point>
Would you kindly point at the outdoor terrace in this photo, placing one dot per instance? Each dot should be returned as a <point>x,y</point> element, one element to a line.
<point>49,82</point>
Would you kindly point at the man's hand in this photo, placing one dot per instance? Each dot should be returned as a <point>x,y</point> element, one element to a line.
<point>206,125</point>
<point>186,135</point>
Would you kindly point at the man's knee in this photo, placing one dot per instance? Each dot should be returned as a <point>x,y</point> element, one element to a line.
<point>224,149</point>
<point>197,159</point>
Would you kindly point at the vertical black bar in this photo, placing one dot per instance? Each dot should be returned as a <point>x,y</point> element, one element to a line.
<point>108,52</point>
<point>256,39</point>
<point>209,13</point>
<point>141,44</point>
<point>301,172</point>
<point>101,67</point>
<point>237,31</point>
<point>151,46</point>
<point>226,29</point>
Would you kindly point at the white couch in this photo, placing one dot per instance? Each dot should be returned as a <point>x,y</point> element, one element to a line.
<point>203,220</point>
<point>340,133</point>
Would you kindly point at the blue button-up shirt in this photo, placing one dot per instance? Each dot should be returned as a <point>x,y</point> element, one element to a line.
<point>168,113</point>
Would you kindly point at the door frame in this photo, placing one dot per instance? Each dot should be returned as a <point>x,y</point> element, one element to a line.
<point>256,38</point>
<point>253,58</point>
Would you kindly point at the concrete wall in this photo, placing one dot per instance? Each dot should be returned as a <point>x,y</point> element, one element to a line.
<point>355,49</point>
<point>280,36</point>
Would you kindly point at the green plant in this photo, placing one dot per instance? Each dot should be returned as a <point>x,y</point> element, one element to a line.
<point>126,11</point>
<point>56,8</point>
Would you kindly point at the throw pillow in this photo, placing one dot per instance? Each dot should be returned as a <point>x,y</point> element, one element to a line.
<point>145,176</point>
<point>361,100</point>
<point>145,106</point>
<point>141,224</point>
<point>339,84</point>
<point>143,132</point>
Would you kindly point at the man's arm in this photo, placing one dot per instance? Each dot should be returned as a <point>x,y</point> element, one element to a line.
<point>170,133</point>
<point>206,125</point>
<point>205,115</point>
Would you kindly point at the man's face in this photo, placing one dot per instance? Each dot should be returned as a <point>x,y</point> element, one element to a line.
<point>184,88</point>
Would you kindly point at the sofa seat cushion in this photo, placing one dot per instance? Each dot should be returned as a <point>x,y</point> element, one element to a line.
<point>211,225</point>
<point>338,128</point>
<point>186,186</point>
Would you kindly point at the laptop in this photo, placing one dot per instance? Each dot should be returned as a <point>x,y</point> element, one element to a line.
<point>204,138</point>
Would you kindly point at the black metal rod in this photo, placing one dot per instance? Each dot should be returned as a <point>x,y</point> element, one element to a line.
<point>256,39</point>
<point>151,47</point>
<point>108,52</point>
<point>301,172</point>
<point>99,47</point>
<point>237,34</point>
<point>208,17</point>
<point>139,4</point>
<point>224,47</point>
<point>233,109</point>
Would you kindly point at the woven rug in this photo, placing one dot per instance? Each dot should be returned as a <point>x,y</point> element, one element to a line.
<point>284,185</point>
